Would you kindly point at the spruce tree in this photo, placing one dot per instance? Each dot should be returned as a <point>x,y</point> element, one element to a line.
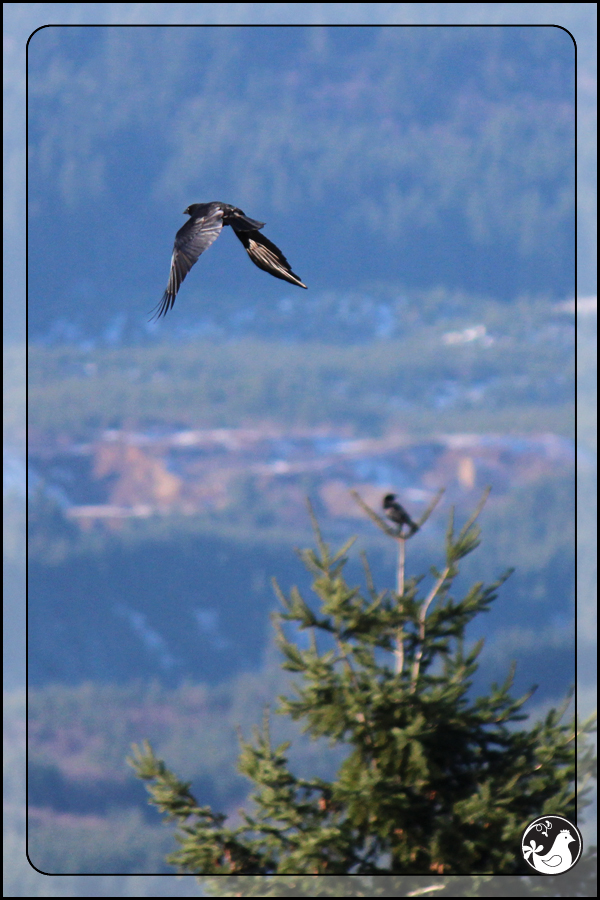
<point>434,782</point>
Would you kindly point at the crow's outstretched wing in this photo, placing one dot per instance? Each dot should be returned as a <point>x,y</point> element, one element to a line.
<point>203,227</point>
<point>266,255</point>
<point>191,240</point>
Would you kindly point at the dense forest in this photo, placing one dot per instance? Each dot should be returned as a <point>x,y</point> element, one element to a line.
<point>404,158</point>
<point>514,374</point>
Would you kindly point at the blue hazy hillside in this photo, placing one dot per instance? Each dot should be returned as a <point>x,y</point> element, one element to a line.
<point>383,159</point>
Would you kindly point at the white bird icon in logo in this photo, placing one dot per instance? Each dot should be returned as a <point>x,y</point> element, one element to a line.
<point>557,860</point>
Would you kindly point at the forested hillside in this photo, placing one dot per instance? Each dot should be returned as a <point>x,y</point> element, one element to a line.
<point>382,159</point>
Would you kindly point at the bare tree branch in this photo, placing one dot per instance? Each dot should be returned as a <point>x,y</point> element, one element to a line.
<point>431,507</point>
<point>426,890</point>
<point>478,509</point>
<point>422,619</point>
<point>401,538</point>
<point>399,651</point>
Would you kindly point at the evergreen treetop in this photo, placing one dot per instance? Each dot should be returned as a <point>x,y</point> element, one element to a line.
<point>434,781</point>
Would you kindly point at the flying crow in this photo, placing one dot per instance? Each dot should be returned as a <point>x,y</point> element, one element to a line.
<point>397,514</point>
<point>202,228</point>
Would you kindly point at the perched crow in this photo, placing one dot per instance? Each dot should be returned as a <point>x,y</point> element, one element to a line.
<point>202,228</point>
<point>397,514</point>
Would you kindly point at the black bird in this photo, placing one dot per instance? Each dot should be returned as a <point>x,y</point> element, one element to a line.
<point>202,228</point>
<point>397,514</point>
